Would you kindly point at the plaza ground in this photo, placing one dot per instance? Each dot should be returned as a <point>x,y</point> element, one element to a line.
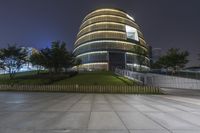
<point>98,113</point>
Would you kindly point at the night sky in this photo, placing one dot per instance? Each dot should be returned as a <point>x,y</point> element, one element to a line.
<point>164,23</point>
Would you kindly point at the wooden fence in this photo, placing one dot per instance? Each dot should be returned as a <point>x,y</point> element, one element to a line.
<point>83,89</point>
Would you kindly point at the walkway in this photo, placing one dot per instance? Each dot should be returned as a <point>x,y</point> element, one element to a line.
<point>98,113</point>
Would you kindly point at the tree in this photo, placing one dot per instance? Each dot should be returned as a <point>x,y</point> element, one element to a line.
<point>37,60</point>
<point>140,57</point>
<point>12,59</point>
<point>55,59</point>
<point>1,66</point>
<point>1,63</point>
<point>77,63</point>
<point>174,59</point>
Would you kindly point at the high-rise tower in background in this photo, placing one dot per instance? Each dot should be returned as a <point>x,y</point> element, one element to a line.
<point>109,39</point>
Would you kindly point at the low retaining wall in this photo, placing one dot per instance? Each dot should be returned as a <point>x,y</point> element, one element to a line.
<point>82,89</point>
<point>158,80</point>
<point>172,82</point>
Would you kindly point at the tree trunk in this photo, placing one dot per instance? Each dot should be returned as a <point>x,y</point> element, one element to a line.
<point>10,74</point>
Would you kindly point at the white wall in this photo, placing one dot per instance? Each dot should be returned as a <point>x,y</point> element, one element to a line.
<point>172,81</point>
<point>161,80</point>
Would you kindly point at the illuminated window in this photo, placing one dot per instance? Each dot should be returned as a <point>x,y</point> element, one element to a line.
<point>131,33</point>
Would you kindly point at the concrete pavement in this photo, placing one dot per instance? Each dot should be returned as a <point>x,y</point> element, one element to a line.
<point>181,92</point>
<point>98,113</point>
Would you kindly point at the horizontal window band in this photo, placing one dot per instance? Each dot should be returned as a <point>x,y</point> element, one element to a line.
<point>105,10</point>
<point>123,30</point>
<point>138,29</point>
<point>130,41</point>
<point>135,54</point>
<point>108,15</point>
<point>103,41</point>
<point>104,16</point>
<point>104,23</point>
<point>101,32</point>
<point>93,52</point>
<point>95,63</point>
<point>109,44</point>
<point>100,21</point>
<point>106,51</point>
<point>110,50</point>
<point>137,65</point>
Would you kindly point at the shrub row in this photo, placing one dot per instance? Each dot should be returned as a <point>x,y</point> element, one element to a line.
<point>83,89</point>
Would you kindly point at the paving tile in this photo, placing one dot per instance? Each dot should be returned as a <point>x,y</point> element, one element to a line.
<point>81,107</point>
<point>38,120</point>
<point>58,107</point>
<point>184,108</point>
<point>98,107</point>
<point>123,107</point>
<point>82,131</point>
<point>186,131</point>
<point>189,117</point>
<point>171,122</point>
<point>12,130</point>
<point>108,131</point>
<point>149,131</point>
<point>103,101</point>
<point>195,112</point>
<point>113,99</point>
<point>138,121</point>
<point>11,119</point>
<point>105,120</point>
<point>60,131</point>
<point>71,120</point>
<point>86,99</point>
<point>100,99</point>
<point>144,108</point>
<point>164,108</point>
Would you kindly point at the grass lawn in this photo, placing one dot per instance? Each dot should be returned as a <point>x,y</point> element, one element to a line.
<point>87,78</point>
<point>96,78</point>
<point>24,78</point>
<point>82,83</point>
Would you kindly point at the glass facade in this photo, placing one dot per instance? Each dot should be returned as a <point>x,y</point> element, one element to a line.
<point>107,32</point>
<point>93,57</point>
<point>98,35</point>
<point>108,45</point>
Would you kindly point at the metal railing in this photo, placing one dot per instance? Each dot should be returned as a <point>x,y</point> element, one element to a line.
<point>136,76</point>
<point>180,73</point>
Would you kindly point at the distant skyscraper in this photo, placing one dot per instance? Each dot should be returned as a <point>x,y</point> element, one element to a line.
<point>156,54</point>
<point>150,55</point>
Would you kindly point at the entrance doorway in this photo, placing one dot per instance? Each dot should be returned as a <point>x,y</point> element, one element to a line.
<point>116,60</point>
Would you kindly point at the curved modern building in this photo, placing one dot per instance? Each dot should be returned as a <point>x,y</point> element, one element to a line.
<point>109,39</point>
